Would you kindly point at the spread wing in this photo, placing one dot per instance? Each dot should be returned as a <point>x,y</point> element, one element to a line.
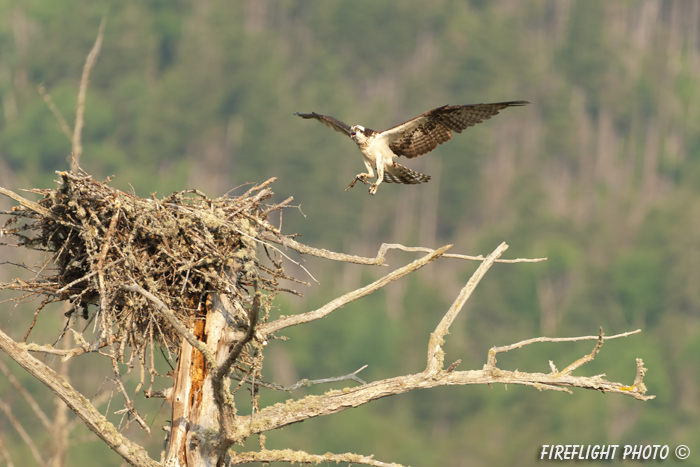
<point>422,134</point>
<point>330,122</point>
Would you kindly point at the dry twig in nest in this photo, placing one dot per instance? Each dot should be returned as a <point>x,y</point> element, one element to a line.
<point>178,249</point>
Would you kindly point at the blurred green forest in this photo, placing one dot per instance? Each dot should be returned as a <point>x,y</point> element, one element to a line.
<point>600,174</point>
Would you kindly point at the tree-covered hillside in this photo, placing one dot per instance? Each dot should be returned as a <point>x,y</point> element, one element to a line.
<point>600,174</point>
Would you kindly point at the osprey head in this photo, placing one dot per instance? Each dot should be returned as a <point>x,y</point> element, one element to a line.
<point>359,133</point>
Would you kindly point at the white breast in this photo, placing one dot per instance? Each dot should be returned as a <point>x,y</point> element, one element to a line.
<point>378,151</point>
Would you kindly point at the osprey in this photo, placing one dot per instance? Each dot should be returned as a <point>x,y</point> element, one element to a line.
<point>413,138</point>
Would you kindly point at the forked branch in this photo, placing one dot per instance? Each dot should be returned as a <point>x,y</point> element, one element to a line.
<point>434,375</point>
<point>436,356</point>
<point>337,401</point>
<point>352,296</point>
<point>378,260</point>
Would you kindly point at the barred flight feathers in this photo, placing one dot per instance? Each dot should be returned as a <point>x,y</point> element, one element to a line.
<point>422,134</point>
<point>397,173</point>
<point>330,122</point>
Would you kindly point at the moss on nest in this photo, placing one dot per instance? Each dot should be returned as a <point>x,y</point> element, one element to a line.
<point>179,248</point>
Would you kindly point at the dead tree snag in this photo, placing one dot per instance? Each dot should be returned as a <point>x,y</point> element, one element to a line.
<point>195,277</point>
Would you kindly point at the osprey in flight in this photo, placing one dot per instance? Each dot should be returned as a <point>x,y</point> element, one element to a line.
<point>416,137</point>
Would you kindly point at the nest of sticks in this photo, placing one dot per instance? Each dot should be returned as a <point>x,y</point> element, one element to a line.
<point>179,248</point>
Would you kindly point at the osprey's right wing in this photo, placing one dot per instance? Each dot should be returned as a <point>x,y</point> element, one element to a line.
<point>330,122</point>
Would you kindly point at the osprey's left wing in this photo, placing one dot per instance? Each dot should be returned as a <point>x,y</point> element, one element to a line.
<point>422,134</point>
<point>330,122</point>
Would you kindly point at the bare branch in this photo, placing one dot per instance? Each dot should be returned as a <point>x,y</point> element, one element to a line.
<point>509,261</point>
<point>5,454</point>
<point>301,457</point>
<point>586,358</point>
<point>67,354</point>
<point>305,383</point>
<point>322,253</point>
<point>496,350</point>
<point>386,246</point>
<point>31,205</point>
<point>22,432</point>
<point>337,401</point>
<point>379,259</point>
<point>131,452</point>
<point>280,252</point>
<point>351,296</point>
<point>436,356</point>
<point>27,396</point>
<point>128,405</point>
<point>56,113</point>
<point>638,380</point>
<point>332,402</point>
<point>258,187</point>
<point>277,206</point>
<point>82,91</point>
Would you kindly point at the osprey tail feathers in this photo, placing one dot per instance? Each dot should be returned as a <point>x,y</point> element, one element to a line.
<point>397,173</point>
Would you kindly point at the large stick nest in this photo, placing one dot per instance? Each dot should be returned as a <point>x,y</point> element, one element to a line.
<point>179,248</point>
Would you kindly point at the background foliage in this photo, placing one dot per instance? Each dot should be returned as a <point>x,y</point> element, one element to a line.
<point>599,173</point>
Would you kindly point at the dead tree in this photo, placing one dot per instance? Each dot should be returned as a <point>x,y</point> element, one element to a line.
<point>195,277</point>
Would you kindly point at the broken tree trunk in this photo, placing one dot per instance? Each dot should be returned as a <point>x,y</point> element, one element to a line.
<point>195,416</point>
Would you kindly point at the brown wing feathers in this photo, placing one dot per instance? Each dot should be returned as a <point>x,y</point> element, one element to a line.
<point>330,122</point>
<point>397,173</point>
<point>436,126</point>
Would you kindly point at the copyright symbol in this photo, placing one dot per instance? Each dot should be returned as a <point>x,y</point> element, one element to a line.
<point>682,451</point>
